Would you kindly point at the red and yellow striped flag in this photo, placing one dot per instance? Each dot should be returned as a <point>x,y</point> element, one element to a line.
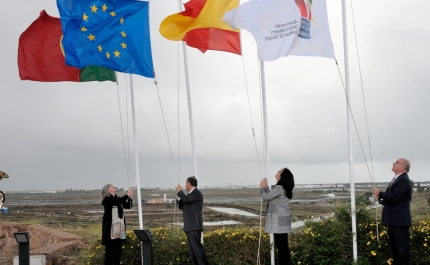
<point>201,26</point>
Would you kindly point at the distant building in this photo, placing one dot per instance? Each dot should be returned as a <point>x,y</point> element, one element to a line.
<point>46,191</point>
<point>156,200</point>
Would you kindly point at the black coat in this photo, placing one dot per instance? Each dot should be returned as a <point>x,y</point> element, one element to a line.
<point>108,203</point>
<point>192,206</point>
<point>397,202</point>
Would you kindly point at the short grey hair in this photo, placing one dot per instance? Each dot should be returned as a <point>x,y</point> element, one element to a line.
<point>104,192</point>
<point>407,165</point>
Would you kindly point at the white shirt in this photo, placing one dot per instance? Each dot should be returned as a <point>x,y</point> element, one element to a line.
<point>396,176</point>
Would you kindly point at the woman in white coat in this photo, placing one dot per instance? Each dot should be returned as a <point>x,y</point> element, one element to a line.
<point>278,215</point>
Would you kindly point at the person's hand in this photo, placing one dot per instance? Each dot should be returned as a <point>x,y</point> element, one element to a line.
<point>376,192</point>
<point>130,192</point>
<point>263,183</point>
<point>179,187</point>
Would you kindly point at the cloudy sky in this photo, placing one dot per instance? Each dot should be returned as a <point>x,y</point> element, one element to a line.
<point>69,136</point>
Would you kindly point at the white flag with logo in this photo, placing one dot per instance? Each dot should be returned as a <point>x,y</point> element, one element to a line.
<point>285,27</point>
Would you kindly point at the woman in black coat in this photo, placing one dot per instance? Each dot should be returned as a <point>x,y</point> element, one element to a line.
<point>113,225</point>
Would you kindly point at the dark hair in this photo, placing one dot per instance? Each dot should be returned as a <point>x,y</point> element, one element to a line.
<point>287,182</point>
<point>192,181</point>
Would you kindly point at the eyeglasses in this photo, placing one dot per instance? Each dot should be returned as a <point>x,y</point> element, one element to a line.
<point>399,163</point>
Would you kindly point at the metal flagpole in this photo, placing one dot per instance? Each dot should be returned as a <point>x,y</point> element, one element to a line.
<point>190,109</point>
<point>136,161</point>
<point>349,121</point>
<point>266,146</point>
<point>136,156</point>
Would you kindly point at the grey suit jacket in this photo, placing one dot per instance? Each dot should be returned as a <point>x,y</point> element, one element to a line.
<point>278,215</point>
<point>192,206</point>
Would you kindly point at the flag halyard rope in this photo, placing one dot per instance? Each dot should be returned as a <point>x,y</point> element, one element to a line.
<point>365,112</point>
<point>165,127</point>
<point>123,139</point>
<point>355,125</point>
<point>258,158</point>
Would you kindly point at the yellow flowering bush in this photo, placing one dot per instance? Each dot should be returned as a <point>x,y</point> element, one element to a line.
<point>236,246</point>
<point>222,246</point>
<point>319,243</point>
<point>130,251</point>
<point>330,241</point>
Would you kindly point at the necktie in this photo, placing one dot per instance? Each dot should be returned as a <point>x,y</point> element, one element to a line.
<point>394,178</point>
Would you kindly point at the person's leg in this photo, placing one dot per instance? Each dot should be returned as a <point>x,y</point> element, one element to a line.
<point>117,247</point>
<point>109,253</point>
<point>400,244</point>
<point>189,241</point>
<point>281,243</point>
<point>197,250</point>
<point>393,247</point>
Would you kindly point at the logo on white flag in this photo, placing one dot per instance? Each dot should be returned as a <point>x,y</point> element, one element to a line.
<point>305,7</point>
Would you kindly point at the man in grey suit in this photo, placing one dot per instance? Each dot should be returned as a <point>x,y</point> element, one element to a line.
<point>192,206</point>
<point>396,213</point>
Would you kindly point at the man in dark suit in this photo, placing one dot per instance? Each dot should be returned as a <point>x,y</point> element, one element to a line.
<point>192,206</point>
<point>396,213</point>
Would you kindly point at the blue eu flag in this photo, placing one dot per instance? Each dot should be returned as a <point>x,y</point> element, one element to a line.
<point>109,33</point>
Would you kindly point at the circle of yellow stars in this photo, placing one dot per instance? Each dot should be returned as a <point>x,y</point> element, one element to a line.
<point>91,37</point>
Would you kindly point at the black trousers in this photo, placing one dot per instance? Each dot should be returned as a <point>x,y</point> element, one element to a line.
<point>197,252</point>
<point>113,252</point>
<point>400,244</point>
<point>281,244</point>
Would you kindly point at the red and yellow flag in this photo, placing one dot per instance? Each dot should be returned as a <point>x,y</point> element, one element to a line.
<point>201,26</point>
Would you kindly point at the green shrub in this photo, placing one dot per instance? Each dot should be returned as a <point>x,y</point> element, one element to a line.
<point>327,242</point>
<point>330,241</point>
<point>236,246</point>
<point>223,246</point>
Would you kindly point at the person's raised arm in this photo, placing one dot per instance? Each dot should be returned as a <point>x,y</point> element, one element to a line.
<point>130,192</point>
<point>267,194</point>
<point>191,197</point>
<point>127,200</point>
